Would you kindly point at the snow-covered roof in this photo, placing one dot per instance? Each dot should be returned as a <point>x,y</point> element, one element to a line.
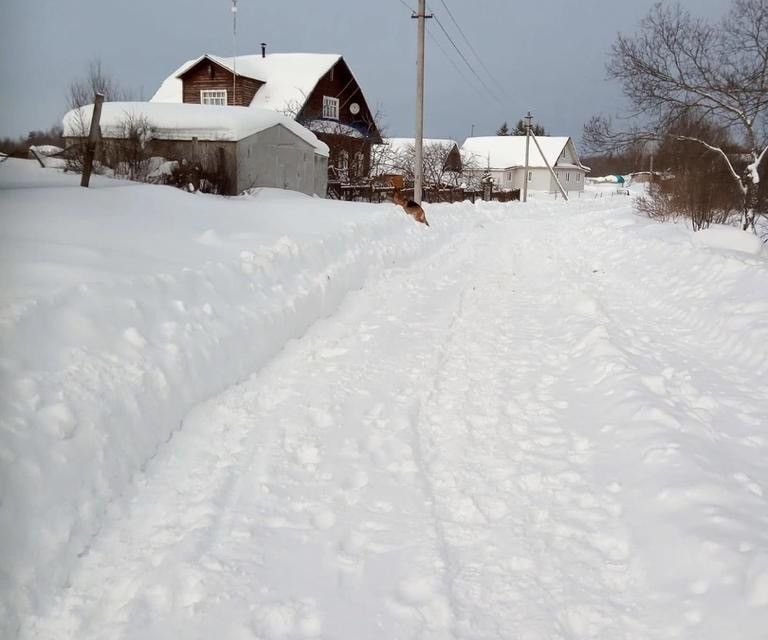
<point>502,152</point>
<point>187,121</point>
<point>289,77</point>
<point>404,144</point>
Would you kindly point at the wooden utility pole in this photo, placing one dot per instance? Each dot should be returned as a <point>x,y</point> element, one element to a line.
<point>527,147</point>
<point>419,141</point>
<point>234,52</point>
<point>93,138</point>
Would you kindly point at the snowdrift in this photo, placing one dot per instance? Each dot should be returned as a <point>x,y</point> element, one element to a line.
<point>125,305</point>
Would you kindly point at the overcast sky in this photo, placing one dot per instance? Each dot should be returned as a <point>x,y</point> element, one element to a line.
<point>547,56</point>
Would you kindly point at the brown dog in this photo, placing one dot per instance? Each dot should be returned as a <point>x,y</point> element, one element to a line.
<point>410,207</point>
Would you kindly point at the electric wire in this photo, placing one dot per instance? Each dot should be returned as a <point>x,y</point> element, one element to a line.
<point>474,51</point>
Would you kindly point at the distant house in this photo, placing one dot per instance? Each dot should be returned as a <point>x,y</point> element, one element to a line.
<point>504,158</point>
<point>317,90</point>
<point>248,147</point>
<point>393,161</point>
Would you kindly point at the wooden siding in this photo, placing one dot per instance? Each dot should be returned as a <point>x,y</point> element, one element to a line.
<point>207,75</point>
<point>340,83</point>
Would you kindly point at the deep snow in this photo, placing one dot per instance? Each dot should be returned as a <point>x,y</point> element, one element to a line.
<point>282,417</point>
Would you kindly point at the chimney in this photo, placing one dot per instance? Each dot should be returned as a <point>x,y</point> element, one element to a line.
<point>263,49</point>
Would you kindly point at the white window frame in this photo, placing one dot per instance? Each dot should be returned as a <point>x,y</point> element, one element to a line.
<point>214,96</point>
<point>330,107</point>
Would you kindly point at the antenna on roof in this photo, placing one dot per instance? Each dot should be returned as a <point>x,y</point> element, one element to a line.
<point>234,52</point>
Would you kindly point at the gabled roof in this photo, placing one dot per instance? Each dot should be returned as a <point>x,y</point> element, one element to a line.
<point>504,152</point>
<point>404,144</point>
<point>289,77</point>
<point>391,156</point>
<point>187,121</point>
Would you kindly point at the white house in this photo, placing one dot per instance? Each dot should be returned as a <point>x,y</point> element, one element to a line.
<point>504,158</point>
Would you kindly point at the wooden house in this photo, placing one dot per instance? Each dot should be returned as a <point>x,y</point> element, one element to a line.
<point>317,90</point>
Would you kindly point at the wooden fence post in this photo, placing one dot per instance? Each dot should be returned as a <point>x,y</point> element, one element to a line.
<point>93,138</point>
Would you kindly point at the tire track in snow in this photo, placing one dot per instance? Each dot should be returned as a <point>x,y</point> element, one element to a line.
<point>180,538</point>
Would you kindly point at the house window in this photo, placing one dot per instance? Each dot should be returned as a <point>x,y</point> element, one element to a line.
<point>357,167</point>
<point>567,176</point>
<point>509,176</point>
<point>530,176</point>
<point>213,96</point>
<point>578,177</point>
<point>562,155</point>
<point>330,107</point>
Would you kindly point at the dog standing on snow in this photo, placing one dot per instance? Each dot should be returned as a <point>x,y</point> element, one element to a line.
<point>411,208</point>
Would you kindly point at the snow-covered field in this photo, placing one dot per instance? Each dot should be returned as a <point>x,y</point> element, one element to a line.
<point>281,417</point>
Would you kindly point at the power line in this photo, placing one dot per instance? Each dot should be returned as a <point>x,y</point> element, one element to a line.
<point>466,62</point>
<point>469,44</point>
<point>442,50</point>
<point>469,81</point>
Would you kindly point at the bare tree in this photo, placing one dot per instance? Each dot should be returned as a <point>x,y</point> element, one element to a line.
<point>678,67</point>
<point>439,166</point>
<point>96,80</point>
<point>127,149</point>
<point>80,93</point>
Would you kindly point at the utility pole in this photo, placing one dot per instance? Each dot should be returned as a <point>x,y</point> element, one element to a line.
<point>234,52</point>
<point>419,142</point>
<point>94,135</point>
<point>528,119</point>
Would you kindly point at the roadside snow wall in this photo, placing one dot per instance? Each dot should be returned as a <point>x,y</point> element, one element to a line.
<point>124,306</point>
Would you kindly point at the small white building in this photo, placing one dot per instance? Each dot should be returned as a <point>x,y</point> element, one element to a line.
<point>504,158</point>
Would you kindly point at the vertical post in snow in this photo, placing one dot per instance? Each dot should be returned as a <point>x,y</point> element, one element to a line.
<point>527,148</point>
<point>551,170</point>
<point>93,137</point>
<point>419,141</point>
<point>234,52</point>
<point>650,177</point>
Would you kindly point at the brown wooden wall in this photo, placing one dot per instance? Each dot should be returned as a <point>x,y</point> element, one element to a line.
<point>208,75</point>
<point>340,83</point>
<point>338,144</point>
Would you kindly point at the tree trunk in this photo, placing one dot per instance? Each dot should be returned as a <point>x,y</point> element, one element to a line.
<point>749,208</point>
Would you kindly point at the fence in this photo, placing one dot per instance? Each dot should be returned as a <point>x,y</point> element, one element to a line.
<point>379,193</point>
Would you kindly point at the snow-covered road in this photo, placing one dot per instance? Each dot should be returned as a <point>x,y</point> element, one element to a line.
<point>531,434</point>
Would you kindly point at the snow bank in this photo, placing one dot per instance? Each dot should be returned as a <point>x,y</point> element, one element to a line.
<point>123,306</point>
<point>724,237</point>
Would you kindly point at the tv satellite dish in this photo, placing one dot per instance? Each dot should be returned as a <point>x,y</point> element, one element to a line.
<point>354,108</point>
